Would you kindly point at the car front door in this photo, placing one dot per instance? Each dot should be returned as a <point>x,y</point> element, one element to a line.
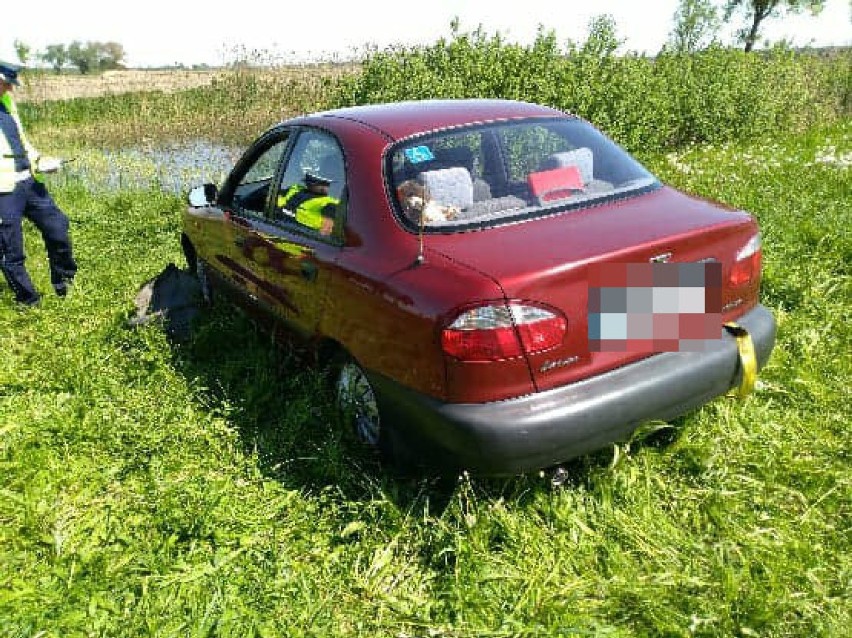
<point>244,200</point>
<point>290,261</point>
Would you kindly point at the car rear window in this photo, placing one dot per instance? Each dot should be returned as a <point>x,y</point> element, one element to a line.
<point>494,173</point>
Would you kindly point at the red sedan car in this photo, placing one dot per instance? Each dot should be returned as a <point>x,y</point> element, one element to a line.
<point>498,285</point>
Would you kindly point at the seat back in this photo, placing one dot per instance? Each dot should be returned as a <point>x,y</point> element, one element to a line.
<point>448,157</point>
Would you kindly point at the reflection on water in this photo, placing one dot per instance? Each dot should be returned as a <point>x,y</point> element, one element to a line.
<point>174,168</point>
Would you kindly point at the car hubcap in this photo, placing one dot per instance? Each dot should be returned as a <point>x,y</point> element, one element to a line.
<point>357,401</point>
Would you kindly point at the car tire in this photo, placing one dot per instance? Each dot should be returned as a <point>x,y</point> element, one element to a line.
<point>356,403</point>
<point>360,413</point>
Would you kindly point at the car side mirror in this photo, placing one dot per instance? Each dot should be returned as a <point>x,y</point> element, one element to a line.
<point>201,196</point>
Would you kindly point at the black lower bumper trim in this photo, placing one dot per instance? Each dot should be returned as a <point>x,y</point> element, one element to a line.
<point>546,428</point>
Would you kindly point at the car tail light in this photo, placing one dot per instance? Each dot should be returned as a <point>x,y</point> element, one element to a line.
<point>747,264</point>
<point>502,331</point>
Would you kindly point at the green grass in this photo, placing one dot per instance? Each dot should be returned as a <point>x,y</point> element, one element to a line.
<point>149,488</point>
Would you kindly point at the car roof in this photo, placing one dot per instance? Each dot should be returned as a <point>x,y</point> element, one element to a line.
<point>398,120</point>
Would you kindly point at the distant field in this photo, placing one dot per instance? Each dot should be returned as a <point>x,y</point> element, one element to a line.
<point>39,88</point>
<point>43,87</point>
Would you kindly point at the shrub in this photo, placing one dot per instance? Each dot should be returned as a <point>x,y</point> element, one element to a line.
<point>662,102</point>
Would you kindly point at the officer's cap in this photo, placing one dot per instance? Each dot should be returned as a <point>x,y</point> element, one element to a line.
<point>316,178</point>
<point>9,73</point>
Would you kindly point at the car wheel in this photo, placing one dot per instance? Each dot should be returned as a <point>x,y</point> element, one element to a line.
<point>356,401</point>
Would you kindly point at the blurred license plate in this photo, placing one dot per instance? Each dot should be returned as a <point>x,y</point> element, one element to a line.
<point>655,307</point>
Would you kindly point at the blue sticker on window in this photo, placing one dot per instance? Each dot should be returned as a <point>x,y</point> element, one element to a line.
<point>419,154</point>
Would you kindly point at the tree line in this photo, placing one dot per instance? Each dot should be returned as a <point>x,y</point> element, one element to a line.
<point>86,57</point>
<point>697,24</point>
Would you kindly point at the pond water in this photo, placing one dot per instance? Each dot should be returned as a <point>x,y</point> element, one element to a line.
<point>174,168</point>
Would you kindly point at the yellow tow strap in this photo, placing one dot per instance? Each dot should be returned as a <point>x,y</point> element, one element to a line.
<point>748,359</point>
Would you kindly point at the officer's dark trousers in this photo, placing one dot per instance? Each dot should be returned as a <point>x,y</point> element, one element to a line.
<point>31,200</point>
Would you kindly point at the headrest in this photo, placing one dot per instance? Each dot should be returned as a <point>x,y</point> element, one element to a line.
<point>580,157</point>
<point>449,186</point>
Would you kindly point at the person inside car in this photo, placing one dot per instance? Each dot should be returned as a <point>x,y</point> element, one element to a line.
<point>310,204</point>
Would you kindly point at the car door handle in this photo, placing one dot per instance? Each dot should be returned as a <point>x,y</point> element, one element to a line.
<point>309,270</point>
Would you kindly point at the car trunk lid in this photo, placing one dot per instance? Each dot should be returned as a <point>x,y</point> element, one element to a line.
<point>552,261</point>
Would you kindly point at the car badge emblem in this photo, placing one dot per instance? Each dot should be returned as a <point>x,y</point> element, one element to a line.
<point>662,258</point>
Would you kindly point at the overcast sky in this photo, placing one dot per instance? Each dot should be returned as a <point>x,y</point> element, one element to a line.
<point>166,32</point>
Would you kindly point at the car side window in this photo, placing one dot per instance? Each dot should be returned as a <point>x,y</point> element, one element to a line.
<point>312,184</point>
<point>250,194</point>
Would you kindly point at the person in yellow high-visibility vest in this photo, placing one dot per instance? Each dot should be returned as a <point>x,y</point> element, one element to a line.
<point>23,195</point>
<point>310,203</point>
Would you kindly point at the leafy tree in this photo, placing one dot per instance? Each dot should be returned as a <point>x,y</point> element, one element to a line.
<point>603,39</point>
<point>83,56</point>
<point>696,25</point>
<point>756,11</point>
<point>23,51</point>
<point>56,55</point>
<point>111,56</point>
<point>96,56</point>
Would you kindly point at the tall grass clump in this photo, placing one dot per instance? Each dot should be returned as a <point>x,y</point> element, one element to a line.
<point>662,102</point>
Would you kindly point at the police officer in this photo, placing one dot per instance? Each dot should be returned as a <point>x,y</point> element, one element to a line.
<point>310,203</point>
<point>22,195</point>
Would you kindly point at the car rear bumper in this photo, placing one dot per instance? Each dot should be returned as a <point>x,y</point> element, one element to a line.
<point>546,428</point>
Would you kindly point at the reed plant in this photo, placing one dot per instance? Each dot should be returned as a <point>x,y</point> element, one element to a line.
<point>237,105</point>
<point>644,102</point>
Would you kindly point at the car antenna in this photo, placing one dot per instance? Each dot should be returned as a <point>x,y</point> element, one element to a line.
<point>421,257</point>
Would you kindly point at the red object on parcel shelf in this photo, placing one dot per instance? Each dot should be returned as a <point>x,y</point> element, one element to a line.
<point>556,183</point>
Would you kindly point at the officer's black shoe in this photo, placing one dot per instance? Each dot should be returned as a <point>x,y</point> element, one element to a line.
<point>62,288</point>
<point>32,302</point>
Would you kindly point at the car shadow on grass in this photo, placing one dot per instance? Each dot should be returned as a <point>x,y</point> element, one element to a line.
<point>280,404</point>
